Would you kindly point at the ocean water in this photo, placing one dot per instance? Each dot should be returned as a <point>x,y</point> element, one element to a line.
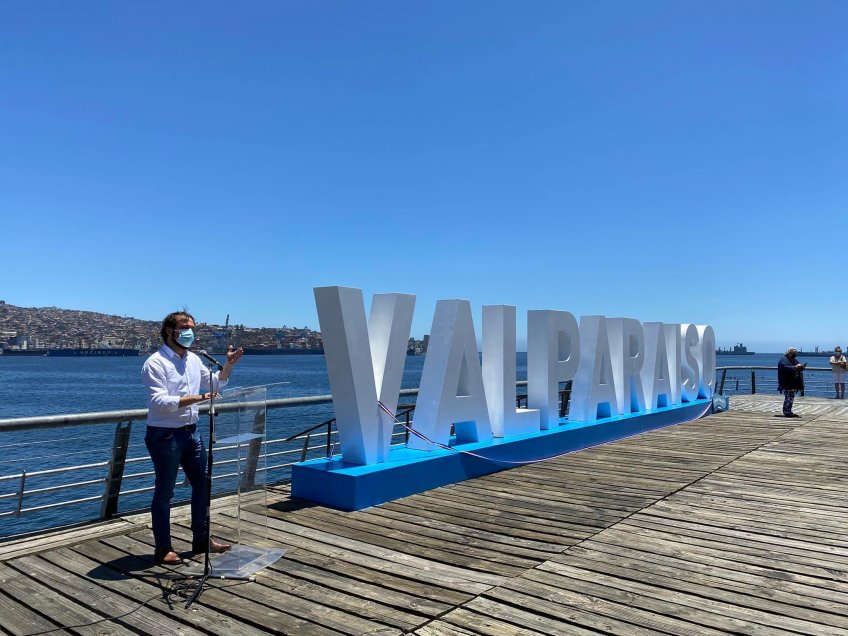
<point>51,386</point>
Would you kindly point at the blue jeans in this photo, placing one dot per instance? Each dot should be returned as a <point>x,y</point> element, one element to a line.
<point>169,449</point>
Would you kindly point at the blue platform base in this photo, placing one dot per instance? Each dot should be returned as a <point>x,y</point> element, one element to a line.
<point>353,487</point>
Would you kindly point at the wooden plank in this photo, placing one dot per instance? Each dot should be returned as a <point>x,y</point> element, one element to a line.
<point>683,592</point>
<point>232,599</point>
<point>321,618</point>
<point>656,602</point>
<point>500,518</point>
<point>351,614</point>
<point>50,539</point>
<point>485,625</point>
<point>596,612</point>
<point>703,542</point>
<point>778,510</point>
<point>368,568</point>
<point>20,620</point>
<point>548,499</point>
<point>97,597</point>
<point>460,578</point>
<point>136,579</point>
<point>799,590</point>
<point>332,572</point>
<point>441,551</point>
<point>441,628</point>
<point>46,602</point>
<point>322,604</point>
<point>536,549</point>
<point>707,584</point>
<point>786,544</point>
<point>17,617</point>
<point>815,536</point>
<point>796,495</point>
<point>547,618</point>
<point>490,545</point>
<point>562,507</point>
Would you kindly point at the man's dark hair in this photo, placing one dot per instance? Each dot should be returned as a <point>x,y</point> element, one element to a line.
<point>171,320</point>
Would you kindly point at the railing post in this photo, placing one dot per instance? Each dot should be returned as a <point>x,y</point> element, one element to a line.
<point>21,494</point>
<point>721,386</point>
<point>406,430</point>
<point>329,432</point>
<point>109,507</point>
<point>305,448</point>
<point>565,397</point>
<point>253,450</point>
<point>753,382</point>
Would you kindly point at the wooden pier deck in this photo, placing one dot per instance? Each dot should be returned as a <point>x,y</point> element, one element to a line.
<point>731,524</point>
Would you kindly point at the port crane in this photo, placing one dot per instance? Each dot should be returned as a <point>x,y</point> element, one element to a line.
<point>222,337</point>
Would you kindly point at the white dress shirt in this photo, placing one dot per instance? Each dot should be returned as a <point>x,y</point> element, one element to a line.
<point>167,377</point>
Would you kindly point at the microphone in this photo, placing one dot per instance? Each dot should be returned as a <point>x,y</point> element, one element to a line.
<point>202,353</point>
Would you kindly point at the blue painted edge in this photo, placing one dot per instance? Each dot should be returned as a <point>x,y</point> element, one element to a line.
<point>407,472</point>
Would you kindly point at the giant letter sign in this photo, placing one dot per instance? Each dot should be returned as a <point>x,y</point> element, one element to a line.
<point>618,367</point>
<point>690,367</point>
<point>452,382</point>
<point>655,372</point>
<point>627,351</point>
<point>553,352</point>
<point>672,348</point>
<point>499,374</point>
<point>355,370</point>
<point>388,332</point>
<point>593,394</point>
<point>705,352</point>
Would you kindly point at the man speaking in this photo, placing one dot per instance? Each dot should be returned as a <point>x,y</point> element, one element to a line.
<point>177,382</point>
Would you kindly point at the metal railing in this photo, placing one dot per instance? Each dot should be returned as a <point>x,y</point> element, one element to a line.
<point>742,380</point>
<point>119,477</point>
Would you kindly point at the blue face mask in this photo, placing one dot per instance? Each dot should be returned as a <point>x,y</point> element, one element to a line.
<point>185,338</point>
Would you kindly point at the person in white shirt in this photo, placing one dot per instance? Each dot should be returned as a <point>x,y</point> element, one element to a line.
<point>838,363</point>
<point>177,382</point>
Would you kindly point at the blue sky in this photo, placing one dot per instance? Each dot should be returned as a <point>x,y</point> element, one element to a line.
<point>663,160</point>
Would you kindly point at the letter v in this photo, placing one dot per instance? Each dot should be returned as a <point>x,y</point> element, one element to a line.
<point>360,360</point>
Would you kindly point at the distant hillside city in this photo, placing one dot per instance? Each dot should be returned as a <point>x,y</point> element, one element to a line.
<point>42,329</point>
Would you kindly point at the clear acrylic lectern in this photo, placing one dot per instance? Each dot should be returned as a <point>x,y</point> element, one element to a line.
<point>240,464</point>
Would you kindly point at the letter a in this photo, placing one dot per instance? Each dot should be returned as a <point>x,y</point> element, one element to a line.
<point>593,394</point>
<point>452,382</point>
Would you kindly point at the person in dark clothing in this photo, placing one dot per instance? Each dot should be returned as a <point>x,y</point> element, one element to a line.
<point>790,379</point>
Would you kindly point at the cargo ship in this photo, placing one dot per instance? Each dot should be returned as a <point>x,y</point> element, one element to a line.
<point>83,352</point>
<point>92,352</point>
<point>738,350</point>
<point>275,351</point>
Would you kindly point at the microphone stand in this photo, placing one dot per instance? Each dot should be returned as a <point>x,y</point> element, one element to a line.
<point>207,522</point>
